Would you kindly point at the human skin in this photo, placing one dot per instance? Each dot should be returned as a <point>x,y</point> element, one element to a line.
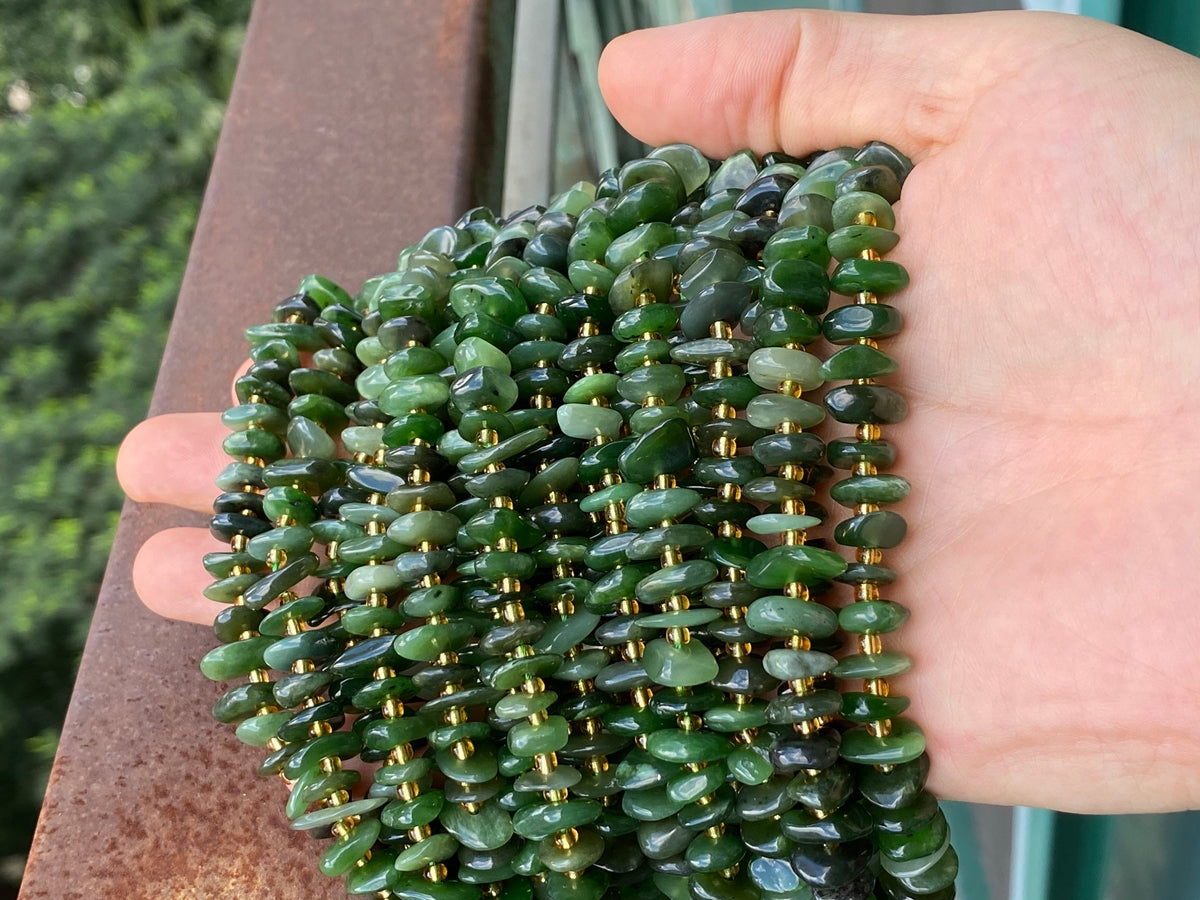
<point>1050,228</point>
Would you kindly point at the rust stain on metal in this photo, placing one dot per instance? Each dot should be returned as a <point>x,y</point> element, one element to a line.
<point>349,135</point>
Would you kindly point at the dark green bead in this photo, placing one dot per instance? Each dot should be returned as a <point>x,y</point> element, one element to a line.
<point>876,276</point>
<point>843,454</point>
<point>590,242</point>
<point>847,324</point>
<point>343,744</point>
<point>798,283</point>
<point>256,443</point>
<point>243,701</point>
<point>735,390</point>
<point>735,552</point>
<point>782,616</point>
<point>780,326</point>
<point>764,801</point>
<point>881,529</point>
<point>825,789</point>
<point>663,450</point>
<point>904,743</point>
<point>912,845</point>
<point>675,746</point>
<point>857,361</point>
<point>849,822</point>
<point>797,242</point>
<point>799,447</point>
<point>293,690</point>
<point>230,661</point>
<point>872,665</point>
<point>789,709</point>
<point>719,301</point>
<point>852,240</point>
<point>935,883</point>
<point>866,404</point>
<point>877,489</point>
<point>801,563</point>
<point>713,470</point>
<point>862,707</point>
<point>679,665</point>
<point>713,854</point>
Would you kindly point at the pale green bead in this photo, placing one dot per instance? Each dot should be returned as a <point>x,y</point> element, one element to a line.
<point>773,523</point>
<point>308,439</point>
<point>614,493</point>
<point>362,439</point>
<point>475,351</point>
<point>414,392</point>
<point>364,579</point>
<point>431,525</point>
<point>601,384</point>
<point>370,351</point>
<point>371,381</point>
<point>688,162</point>
<point>772,410</point>
<point>769,367</point>
<point>584,421</point>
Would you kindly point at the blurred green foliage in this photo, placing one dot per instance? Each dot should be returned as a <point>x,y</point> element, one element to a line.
<point>108,121</point>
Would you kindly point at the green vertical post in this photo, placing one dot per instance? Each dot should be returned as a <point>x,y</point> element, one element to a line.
<point>1174,22</point>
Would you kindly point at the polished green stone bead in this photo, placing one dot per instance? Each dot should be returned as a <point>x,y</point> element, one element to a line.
<point>863,707</point>
<point>489,828</point>
<point>872,665</point>
<point>793,563</point>
<point>750,765</point>
<point>735,173</point>
<point>882,529</point>
<point>678,578</point>
<point>591,387</point>
<point>797,283</point>
<point>257,731</point>
<point>277,622</point>
<point>302,337</point>
<point>904,743</point>
<point>522,705</point>
<point>928,882</point>
<point>688,162</point>
<point>426,642</point>
<point>878,489</point>
<point>650,417</point>
<point>342,744</point>
<point>589,242</point>
<point>851,240</point>
<point>430,601</point>
<point>620,492</point>
<point>646,201</point>
<point>484,387</point>
<point>431,525</point>
<point>415,360</point>
<point>680,618</point>
<point>563,633</point>
<point>793,665</point>
<point>414,886</point>
<point>491,525</point>
<point>640,241</point>
<point>433,849</point>
<point>560,779</point>
<point>876,276</point>
<point>244,700</point>
<point>368,549</point>
<point>596,276</point>
<point>857,361</point>
<point>476,461</point>
<point>772,410</point>
<point>641,353</point>
<point>320,818</point>
<point>797,242</point>
<point>849,323</point>
<point>527,739</point>
<point>494,297</point>
<point>729,718</point>
<point>665,382</point>
<point>774,523</point>
<point>384,734</point>
<point>542,820</point>
<point>789,709</point>
<point>475,351</point>
<point>769,367</point>
<point>823,177</point>
<point>652,318</point>
<point>706,351</point>
<point>867,404</point>
<point>255,415</point>
<point>781,616</point>
<point>422,810</point>
<point>365,579</point>
<point>872,617</point>
<point>227,590</point>
<point>580,420</point>
<point>341,856</point>
<point>850,207</point>
<point>785,325</point>
<point>414,393</point>
<point>671,745</point>
<point>688,786</point>
<point>914,847</point>
<point>510,674</point>
<point>713,854</point>
<point>664,450</point>
<point>313,644</point>
<point>644,277</point>
<point>586,851</point>
<point>649,508</point>
<point>681,665</point>
<point>479,768</point>
<point>800,209</point>
<point>256,443</point>
<point>377,692</point>
<point>557,476</point>
<point>496,564</point>
<point>229,661</point>
<point>714,267</point>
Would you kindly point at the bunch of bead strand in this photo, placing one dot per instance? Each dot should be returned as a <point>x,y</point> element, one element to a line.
<point>591,533</point>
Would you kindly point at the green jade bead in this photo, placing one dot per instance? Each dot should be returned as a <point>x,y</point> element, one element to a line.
<point>433,849</point>
<point>640,241</point>
<point>794,665</point>
<point>776,523</point>
<point>529,739</point>
<point>866,404</point>
<point>644,277</point>
<point>579,420</point>
<point>797,242</point>
<point>664,450</point>
<point>688,162</point>
<point>675,579</point>
<point>591,387</point>
<point>874,276</point>
<point>586,851</point>
<point>750,765</point>
<point>342,855</point>
<point>674,746</point>
<point>854,321</point>
<point>651,318</point>
<point>769,411</point>
<point>857,361</point>
<point>679,665</point>
<point>797,283</point>
<point>653,507</point>
<point>782,616</point>
<point>862,208</point>
<point>872,617</point>
<point>800,563</point>
<point>414,393</point>
<point>649,417</point>
<point>542,820</point>
<point>769,367</point>
<point>880,490</point>
<point>850,241</point>
<point>475,351</point>
<point>714,854</point>
<point>872,665</point>
<point>663,381</point>
<point>230,661</point>
<point>881,529</point>
<point>904,743</point>
<point>490,828</point>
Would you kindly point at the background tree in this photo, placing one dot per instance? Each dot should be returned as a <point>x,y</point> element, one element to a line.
<point>109,116</point>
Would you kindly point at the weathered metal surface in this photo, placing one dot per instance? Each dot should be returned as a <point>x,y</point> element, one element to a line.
<point>351,131</point>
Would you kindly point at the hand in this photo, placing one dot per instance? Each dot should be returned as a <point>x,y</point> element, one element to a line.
<point>1049,359</point>
<point>1049,231</point>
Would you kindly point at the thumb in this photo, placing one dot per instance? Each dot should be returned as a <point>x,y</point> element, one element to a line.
<point>804,80</point>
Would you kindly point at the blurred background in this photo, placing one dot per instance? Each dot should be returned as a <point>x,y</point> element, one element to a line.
<point>109,116</point>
